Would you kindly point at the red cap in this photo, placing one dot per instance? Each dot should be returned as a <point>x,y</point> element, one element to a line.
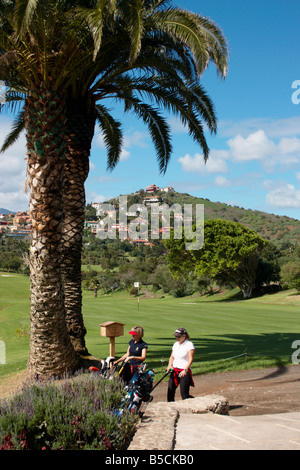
<point>132,332</point>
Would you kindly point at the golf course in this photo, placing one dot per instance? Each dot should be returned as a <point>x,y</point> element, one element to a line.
<point>228,334</point>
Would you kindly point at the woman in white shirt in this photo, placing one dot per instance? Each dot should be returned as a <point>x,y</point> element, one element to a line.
<point>180,361</point>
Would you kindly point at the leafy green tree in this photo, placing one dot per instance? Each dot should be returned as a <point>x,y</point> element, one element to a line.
<point>268,269</point>
<point>290,274</point>
<point>230,251</point>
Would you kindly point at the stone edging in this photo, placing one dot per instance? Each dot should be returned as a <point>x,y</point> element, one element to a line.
<point>157,428</point>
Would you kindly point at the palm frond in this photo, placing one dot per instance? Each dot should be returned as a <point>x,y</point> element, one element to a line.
<point>23,14</point>
<point>94,19</point>
<point>158,128</point>
<point>13,101</point>
<point>201,36</point>
<point>135,27</point>
<point>17,127</point>
<point>112,133</point>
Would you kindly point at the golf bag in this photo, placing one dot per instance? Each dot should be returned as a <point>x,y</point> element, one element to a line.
<point>104,369</point>
<point>138,391</point>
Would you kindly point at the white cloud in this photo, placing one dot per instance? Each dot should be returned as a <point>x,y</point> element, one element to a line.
<point>14,200</point>
<point>273,128</point>
<point>99,140</point>
<point>289,145</point>
<point>215,164</point>
<point>137,139</point>
<point>133,139</point>
<point>256,146</point>
<point>93,196</point>
<point>177,126</point>
<point>125,154</point>
<point>12,172</point>
<point>222,181</point>
<point>285,195</point>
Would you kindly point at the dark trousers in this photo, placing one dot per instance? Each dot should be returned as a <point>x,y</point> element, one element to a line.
<point>184,384</point>
<point>128,372</point>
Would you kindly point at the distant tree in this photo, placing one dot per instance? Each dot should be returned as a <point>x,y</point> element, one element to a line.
<point>95,284</point>
<point>290,274</point>
<point>230,251</point>
<point>268,269</point>
<point>90,213</point>
<point>161,278</point>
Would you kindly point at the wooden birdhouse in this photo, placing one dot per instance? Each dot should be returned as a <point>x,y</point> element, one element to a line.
<point>112,329</point>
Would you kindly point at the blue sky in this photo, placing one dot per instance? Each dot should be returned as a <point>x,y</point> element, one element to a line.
<point>255,156</point>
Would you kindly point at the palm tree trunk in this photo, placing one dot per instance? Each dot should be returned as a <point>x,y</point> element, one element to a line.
<point>80,130</point>
<point>51,351</point>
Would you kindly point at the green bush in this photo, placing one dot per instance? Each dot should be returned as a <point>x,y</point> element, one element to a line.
<point>75,415</point>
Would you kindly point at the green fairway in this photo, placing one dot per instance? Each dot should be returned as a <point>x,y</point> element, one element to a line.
<point>221,330</point>
<point>14,320</point>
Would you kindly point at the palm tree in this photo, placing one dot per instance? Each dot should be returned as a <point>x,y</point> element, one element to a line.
<point>164,69</point>
<point>136,49</point>
<point>32,62</point>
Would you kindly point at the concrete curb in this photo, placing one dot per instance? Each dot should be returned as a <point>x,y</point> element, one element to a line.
<point>157,428</point>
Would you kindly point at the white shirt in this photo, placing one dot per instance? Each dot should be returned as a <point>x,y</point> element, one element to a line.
<point>181,354</point>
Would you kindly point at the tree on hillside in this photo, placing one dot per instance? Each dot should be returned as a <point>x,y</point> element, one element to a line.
<point>65,58</point>
<point>230,252</point>
<point>290,275</point>
<point>268,269</point>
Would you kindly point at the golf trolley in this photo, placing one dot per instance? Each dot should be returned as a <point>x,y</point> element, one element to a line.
<point>138,389</point>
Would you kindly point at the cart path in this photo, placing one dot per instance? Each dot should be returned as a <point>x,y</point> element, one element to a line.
<point>249,392</point>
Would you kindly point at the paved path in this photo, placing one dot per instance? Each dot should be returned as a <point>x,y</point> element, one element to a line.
<point>222,432</point>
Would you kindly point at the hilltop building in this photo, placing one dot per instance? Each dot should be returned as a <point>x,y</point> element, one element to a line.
<point>152,188</point>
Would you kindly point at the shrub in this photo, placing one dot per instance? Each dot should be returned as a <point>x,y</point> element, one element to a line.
<point>290,274</point>
<point>133,291</point>
<point>75,415</point>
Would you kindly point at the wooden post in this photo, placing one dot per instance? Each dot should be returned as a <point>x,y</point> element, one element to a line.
<point>112,346</point>
<point>112,329</point>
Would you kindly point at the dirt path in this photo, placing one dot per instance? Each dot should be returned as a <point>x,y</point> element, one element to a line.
<point>249,392</point>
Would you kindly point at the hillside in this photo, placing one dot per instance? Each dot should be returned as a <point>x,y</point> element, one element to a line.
<point>281,230</point>
<point>6,211</point>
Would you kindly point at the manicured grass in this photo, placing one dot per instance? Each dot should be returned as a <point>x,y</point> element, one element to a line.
<point>14,316</point>
<point>220,329</point>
